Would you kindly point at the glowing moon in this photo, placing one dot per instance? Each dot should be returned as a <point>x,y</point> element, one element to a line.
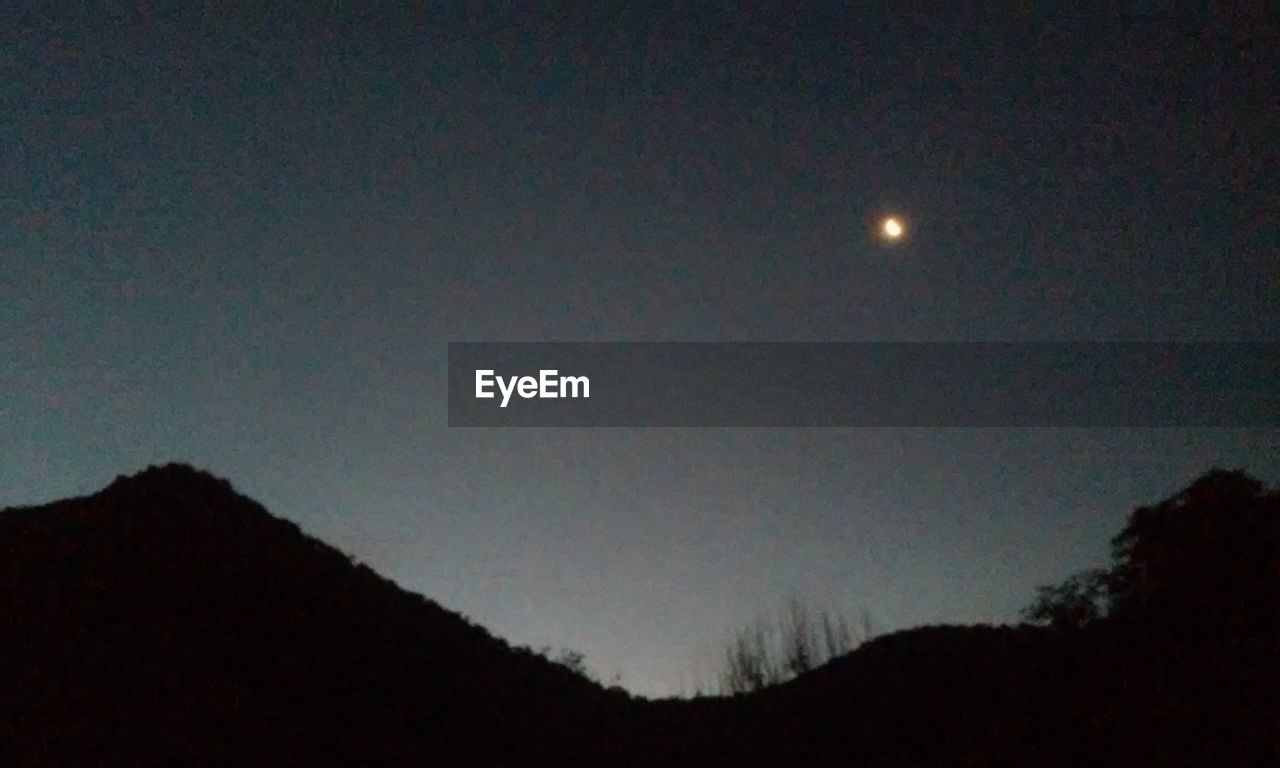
<point>892,228</point>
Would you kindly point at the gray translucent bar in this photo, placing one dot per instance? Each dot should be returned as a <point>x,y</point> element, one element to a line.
<point>878,384</point>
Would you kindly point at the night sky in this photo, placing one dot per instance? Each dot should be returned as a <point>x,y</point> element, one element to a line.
<point>243,239</point>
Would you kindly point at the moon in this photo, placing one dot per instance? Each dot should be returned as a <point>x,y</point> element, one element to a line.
<point>892,228</point>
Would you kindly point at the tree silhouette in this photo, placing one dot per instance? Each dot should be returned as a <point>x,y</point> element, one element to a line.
<point>1205,559</point>
<point>1210,552</point>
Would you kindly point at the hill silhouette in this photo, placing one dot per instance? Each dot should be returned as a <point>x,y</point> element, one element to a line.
<point>168,620</point>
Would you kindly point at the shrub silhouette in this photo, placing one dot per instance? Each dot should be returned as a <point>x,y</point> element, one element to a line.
<point>800,640</point>
<point>576,662</point>
<point>1073,604</point>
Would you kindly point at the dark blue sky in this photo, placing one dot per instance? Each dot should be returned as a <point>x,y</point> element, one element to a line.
<point>243,238</point>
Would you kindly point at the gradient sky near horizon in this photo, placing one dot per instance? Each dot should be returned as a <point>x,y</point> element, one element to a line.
<point>242,239</point>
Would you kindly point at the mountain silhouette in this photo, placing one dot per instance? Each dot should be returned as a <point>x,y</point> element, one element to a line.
<point>168,620</point>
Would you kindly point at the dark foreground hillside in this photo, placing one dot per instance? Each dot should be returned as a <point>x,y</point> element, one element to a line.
<point>169,621</point>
